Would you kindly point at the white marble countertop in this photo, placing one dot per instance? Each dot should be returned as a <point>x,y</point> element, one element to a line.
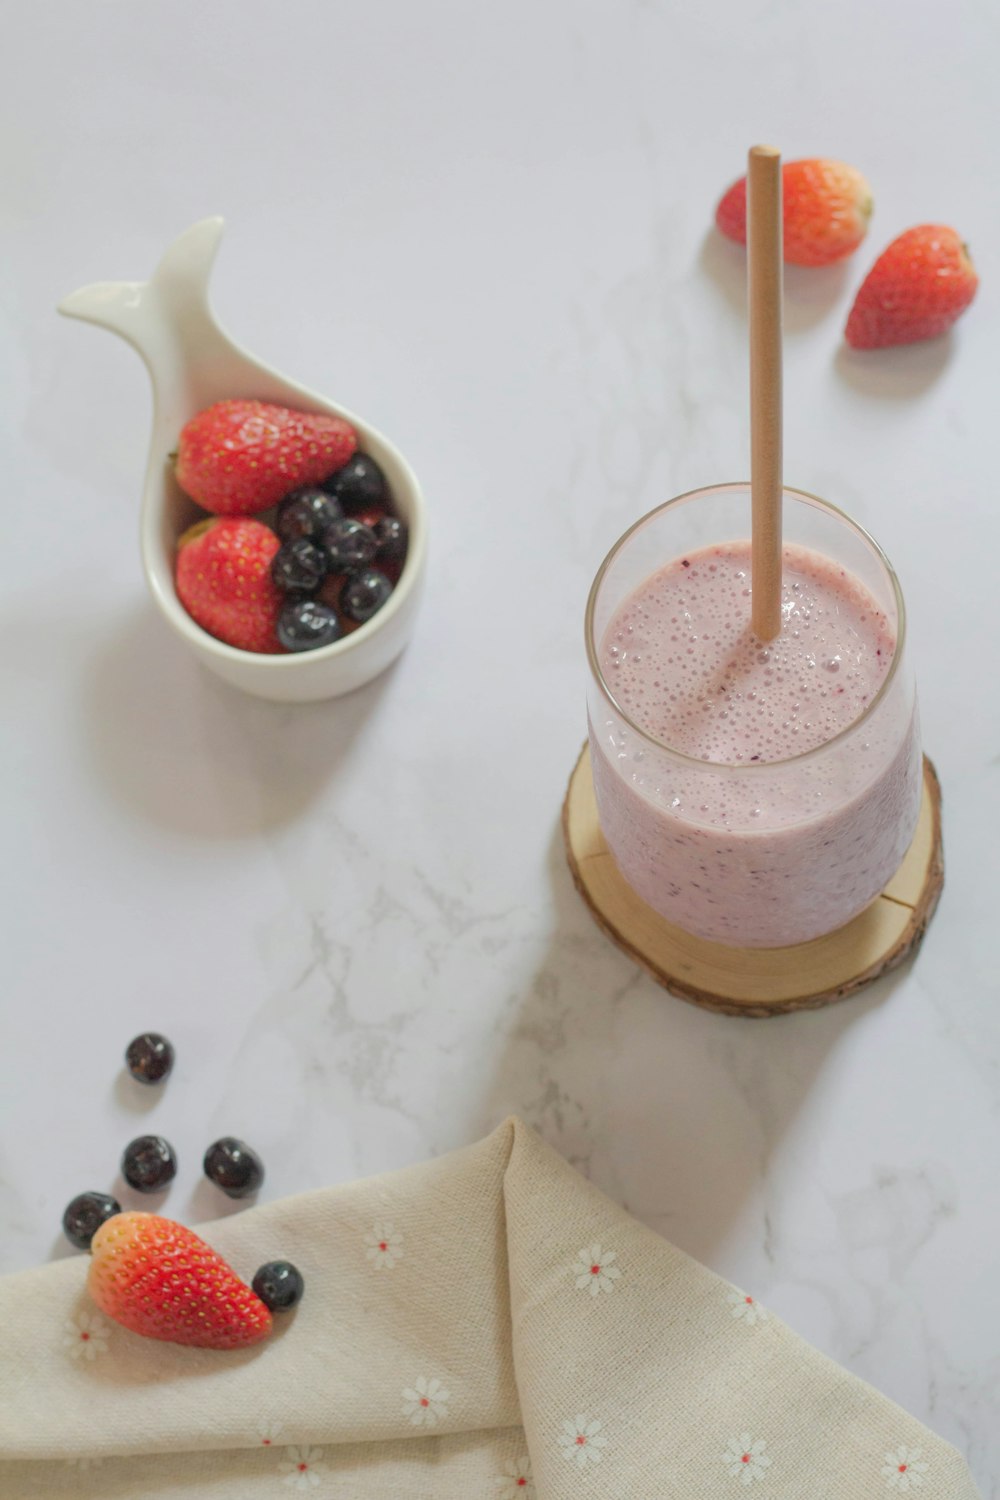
<point>489,232</point>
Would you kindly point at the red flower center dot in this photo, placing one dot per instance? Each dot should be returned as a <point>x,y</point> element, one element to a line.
<point>595,1270</point>
<point>265,1442</point>
<point>745,1459</point>
<point>522,1480</point>
<point>424,1401</point>
<point>902,1468</point>
<point>581,1440</point>
<point>85,1336</point>
<point>303,1468</point>
<point>748,1301</point>
<point>382,1245</point>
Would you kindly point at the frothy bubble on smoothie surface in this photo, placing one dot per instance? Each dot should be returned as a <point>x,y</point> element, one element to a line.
<point>682,662</point>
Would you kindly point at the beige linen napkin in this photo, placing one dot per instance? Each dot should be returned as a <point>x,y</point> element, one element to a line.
<point>488,1325</point>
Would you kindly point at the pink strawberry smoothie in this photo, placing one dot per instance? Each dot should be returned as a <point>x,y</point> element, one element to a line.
<point>716,813</point>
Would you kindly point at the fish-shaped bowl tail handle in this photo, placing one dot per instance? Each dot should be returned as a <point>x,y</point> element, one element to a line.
<point>169,319</point>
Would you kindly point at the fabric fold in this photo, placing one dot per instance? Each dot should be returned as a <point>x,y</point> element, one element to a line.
<point>486,1324</point>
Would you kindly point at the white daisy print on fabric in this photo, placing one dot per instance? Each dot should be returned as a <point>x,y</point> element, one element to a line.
<point>269,1433</point>
<point>904,1470</point>
<point>595,1268</point>
<point>303,1468</point>
<point>86,1336</point>
<point>582,1440</point>
<point>384,1246</point>
<point>515,1483</point>
<point>426,1402</point>
<point>746,1308</point>
<point>746,1460</point>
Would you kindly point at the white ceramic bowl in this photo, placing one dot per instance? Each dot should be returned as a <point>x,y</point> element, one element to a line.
<point>193,363</point>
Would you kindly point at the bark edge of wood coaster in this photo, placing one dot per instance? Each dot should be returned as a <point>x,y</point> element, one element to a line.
<point>758,982</point>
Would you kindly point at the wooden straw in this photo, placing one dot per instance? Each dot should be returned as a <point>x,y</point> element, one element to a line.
<point>764,244</point>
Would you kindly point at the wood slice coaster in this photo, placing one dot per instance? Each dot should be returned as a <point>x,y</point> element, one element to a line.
<point>757,982</point>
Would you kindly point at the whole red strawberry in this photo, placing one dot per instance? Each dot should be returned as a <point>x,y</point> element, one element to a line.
<point>238,457</point>
<point>826,209</point>
<point>161,1280</point>
<point>915,290</point>
<point>224,582</point>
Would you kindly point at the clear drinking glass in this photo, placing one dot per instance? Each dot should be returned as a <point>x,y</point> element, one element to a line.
<point>769,853</point>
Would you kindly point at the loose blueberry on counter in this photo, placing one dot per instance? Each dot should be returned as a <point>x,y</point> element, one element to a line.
<point>299,567</point>
<point>234,1167</point>
<point>359,483</point>
<point>307,513</point>
<point>149,1057</point>
<point>306,625</point>
<point>390,534</point>
<point>85,1215</point>
<point>279,1285</point>
<point>149,1163</point>
<point>364,594</point>
<point>350,545</point>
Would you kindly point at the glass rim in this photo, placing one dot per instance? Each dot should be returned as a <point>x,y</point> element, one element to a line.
<point>755,767</point>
